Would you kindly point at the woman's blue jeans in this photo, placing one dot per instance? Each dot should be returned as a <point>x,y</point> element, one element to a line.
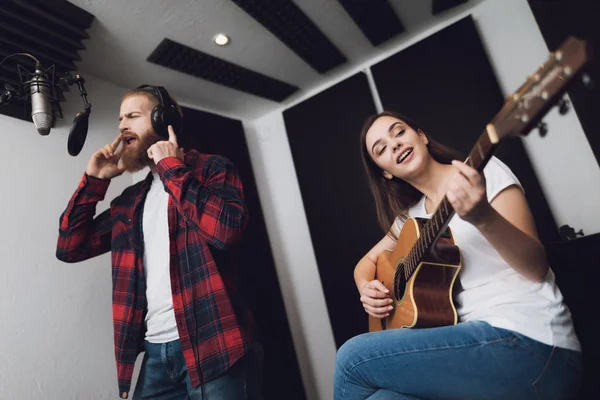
<point>470,360</point>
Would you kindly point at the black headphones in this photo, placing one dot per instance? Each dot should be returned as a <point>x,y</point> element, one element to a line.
<point>164,113</point>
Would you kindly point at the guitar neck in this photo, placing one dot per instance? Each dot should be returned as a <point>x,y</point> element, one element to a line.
<point>478,158</point>
<point>521,112</point>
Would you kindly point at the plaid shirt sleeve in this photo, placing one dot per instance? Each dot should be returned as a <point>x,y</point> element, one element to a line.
<point>209,196</point>
<point>81,236</point>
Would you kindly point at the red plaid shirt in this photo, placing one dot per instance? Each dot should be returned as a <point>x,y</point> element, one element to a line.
<point>206,215</point>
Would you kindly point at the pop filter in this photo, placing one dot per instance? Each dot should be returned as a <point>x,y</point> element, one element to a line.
<point>78,132</point>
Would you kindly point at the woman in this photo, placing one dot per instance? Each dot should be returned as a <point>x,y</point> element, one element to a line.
<point>515,338</point>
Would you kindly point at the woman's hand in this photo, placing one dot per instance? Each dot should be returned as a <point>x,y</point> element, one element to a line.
<point>376,299</point>
<point>467,194</point>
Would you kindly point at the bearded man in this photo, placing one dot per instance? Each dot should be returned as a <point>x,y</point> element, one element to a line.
<point>172,239</point>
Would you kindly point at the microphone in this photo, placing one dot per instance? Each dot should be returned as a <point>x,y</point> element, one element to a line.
<point>41,110</point>
<point>40,87</point>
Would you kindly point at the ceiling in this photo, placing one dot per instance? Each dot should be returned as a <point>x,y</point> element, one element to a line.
<point>125,33</point>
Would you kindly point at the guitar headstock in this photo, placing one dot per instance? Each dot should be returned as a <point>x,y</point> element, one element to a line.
<point>525,108</point>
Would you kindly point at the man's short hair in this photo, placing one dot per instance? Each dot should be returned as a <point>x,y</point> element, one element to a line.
<point>154,100</point>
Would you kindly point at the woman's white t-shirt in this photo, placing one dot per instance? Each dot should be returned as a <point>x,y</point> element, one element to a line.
<point>494,292</point>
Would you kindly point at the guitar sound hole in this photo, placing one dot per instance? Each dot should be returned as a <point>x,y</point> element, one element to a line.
<point>400,283</point>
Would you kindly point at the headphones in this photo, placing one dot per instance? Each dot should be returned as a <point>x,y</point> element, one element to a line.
<point>164,113</point>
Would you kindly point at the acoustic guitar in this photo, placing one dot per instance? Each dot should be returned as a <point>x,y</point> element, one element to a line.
<point>421,271</point>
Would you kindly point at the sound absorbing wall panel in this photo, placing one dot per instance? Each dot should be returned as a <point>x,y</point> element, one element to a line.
<point>213,134</point>
<point>323,132</point>
<point>446,83</point>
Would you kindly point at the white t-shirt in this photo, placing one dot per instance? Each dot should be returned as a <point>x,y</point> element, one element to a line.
<point>492,290</point>
<point>160,319</point>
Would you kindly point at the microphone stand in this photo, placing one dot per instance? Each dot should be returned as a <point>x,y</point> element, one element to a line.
<point>9,93</point>
<point>69,80</point>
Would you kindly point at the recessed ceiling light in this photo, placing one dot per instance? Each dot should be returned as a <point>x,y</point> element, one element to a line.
<point>221,39</point>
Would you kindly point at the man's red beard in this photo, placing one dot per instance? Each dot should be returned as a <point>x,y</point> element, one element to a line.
<point>135,158</point>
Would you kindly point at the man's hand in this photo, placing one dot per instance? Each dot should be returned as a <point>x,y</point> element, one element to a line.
<point>104,163</point>
<point>164,149</point>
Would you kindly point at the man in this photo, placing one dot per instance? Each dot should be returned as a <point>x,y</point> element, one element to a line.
<point>171,238</point>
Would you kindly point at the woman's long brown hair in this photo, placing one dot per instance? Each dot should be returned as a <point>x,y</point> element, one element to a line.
<point>394,197</point>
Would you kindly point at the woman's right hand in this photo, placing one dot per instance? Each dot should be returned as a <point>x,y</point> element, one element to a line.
<point>376,299</point>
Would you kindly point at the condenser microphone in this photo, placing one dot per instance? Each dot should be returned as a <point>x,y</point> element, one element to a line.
<point>40,88</point>
<point>41,110</point>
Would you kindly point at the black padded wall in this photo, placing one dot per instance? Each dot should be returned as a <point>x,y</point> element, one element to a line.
<point>577,276</point>
<point>185,59</point>
<point>323,132</point>
<point>285,20</point>
<point>375,18</point>
<point>446,83</point>
<point>213,134</point>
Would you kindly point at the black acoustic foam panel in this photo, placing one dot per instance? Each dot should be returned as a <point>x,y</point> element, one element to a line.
<point>375,18</point>
<point>323,132</point>
<point>575,268</point>
<point>193,62</point>
<point>255,264</point>
<point>287,22</point>
<point>50,31</point>
<point>439,6</point>
<point>453,92</point>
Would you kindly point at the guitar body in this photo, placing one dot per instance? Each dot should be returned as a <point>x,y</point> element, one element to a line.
<point>426,299</point>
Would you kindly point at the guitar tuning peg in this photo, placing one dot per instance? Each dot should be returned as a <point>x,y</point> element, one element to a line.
<point>564,106</point>
<point>542,128</point>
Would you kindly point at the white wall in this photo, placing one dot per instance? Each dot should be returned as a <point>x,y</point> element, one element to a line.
<point>563,160</point>
<point>56,321</point>
<point>293,253</point>
<point>515,47</point>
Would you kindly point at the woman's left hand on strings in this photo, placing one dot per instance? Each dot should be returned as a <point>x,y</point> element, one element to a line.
<point>467,194</point>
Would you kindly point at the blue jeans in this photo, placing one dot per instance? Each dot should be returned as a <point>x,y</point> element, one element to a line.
<point>164,376</point>
<point>470,360</point>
